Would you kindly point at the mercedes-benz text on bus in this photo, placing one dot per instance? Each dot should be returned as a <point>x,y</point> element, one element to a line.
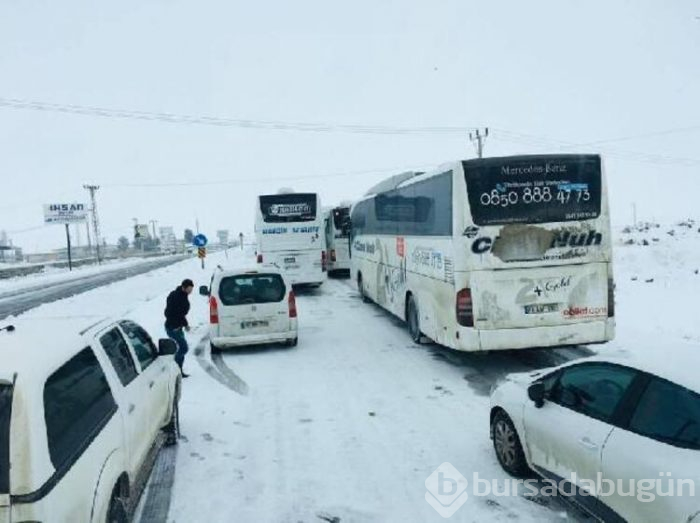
<point>290,236</point>
<point>337,224</point>
<point>489,254</point>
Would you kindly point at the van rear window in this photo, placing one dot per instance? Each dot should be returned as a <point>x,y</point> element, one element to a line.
<point>251,288</point>
<point>5,416</point>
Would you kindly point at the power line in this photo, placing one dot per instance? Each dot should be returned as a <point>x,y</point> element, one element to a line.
<point>219,121</point>
<point>229,181</point>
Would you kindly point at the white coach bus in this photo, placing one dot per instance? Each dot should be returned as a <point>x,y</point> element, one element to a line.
<point>489,254</point>
<point>337,224</point>
<point>290,236</point>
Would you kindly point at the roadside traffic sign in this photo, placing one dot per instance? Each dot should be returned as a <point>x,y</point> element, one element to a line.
<point>200,241</point>
<point>202,252</point>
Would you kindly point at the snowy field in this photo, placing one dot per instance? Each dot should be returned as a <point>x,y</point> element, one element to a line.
<point>52,275</point>
<point>347,426</point>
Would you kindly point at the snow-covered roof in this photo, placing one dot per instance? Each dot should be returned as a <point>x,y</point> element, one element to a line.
<point>38,347</point>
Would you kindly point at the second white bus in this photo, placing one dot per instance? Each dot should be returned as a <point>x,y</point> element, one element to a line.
<point>490,254</point>
<point>290,236</point>
<point>337,225</point>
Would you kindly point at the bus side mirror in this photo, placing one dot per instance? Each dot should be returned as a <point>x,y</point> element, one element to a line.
<point>204,290</point>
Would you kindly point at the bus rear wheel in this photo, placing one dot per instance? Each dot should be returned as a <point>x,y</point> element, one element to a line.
<point>361,288</point>
<point>413,320</point>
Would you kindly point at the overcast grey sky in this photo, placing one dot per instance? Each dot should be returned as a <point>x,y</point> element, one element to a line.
<point>561,71</point>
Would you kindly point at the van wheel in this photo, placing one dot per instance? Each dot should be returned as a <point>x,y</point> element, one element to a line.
<point>413,320</point>
<point>293,343</point>
<point>361,289</point>
<point>214,349</point>
<point>117,509</point>
<point>507,445</point>
<point>172,429</point>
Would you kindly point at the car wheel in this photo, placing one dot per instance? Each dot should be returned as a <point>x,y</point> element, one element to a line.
<point>117,510</point>
<point>172,429</point>
<point>214,349</point>
<point>293,342</point>
<point>413,321</point>
<point>361,289</point>
<point>507,445</point>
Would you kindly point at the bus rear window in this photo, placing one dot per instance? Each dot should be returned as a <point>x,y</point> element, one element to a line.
<point>5,416</point>
<point>534,189</point>
<point>251,288</point>
<point>283,208</point>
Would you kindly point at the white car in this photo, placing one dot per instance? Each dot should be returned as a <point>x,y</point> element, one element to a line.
<point>250,307</point>
<point>83,413</point>
<point>627,419</point>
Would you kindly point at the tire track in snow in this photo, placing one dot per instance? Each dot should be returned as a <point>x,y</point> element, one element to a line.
<point>216,367</point>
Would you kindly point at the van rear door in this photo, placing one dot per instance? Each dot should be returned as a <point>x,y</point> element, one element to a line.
<point>252,304</point>
<point>6,389</point>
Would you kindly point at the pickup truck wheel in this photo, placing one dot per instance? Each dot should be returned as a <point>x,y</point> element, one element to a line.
<point>172,429</point>
<point>117,510</point>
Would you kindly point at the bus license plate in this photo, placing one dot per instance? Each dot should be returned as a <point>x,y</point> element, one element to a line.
<point>541,308</point>
<point>254,323</point>
<point>290,260</point>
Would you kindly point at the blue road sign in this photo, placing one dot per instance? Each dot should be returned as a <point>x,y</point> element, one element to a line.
<point>200,241</point>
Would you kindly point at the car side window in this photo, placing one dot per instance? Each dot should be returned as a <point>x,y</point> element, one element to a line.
<point>593,389</point>
<point>78,403</point>
<point>118,352</point>
<point>145,349</point>
<point>669,413</point>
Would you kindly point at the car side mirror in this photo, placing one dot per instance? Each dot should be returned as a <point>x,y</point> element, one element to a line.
<point>536,393</point>
<point>204,290</point>
<point>166,347</point>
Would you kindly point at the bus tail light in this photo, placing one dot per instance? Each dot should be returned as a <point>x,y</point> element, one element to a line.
<point>324,260</point>
<point>213,311</point>
<point>611,297</point>
<point>260,258</point>
<point>292,305</point>
<point>333,255</point>
<point>465,308</point>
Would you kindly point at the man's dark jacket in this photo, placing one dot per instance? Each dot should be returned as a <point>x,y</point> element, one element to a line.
<point>176,309</point>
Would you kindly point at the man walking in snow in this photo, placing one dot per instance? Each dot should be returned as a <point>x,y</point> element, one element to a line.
<point>176,309</point>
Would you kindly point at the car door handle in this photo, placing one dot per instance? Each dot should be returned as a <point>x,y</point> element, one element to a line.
<point>150,385</point>
<point>131,408</point>
<point>587,444</point>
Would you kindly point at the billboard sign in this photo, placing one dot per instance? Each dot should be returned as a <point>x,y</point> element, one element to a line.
<point>65,213</point>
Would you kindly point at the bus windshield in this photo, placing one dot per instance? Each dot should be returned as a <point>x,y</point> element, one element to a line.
<point>533,189</point>
<point>285,208</point>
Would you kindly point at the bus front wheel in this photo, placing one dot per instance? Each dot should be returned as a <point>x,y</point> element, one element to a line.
<point>413,320</point>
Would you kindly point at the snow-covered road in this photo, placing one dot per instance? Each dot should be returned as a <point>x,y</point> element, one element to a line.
<point>347,426</point>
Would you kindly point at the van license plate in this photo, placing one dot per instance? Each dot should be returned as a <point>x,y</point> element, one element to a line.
<point>541,308</point>
<point>252,324</point>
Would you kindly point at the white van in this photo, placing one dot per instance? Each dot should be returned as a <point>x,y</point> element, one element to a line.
<point>83,414</point>
<point>250,307</point>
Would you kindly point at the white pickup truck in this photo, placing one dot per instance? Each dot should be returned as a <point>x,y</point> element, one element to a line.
<point>83,412</point>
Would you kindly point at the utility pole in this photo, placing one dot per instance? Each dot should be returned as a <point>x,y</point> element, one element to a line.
<point>479,137</point>
<point>92,189</point>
